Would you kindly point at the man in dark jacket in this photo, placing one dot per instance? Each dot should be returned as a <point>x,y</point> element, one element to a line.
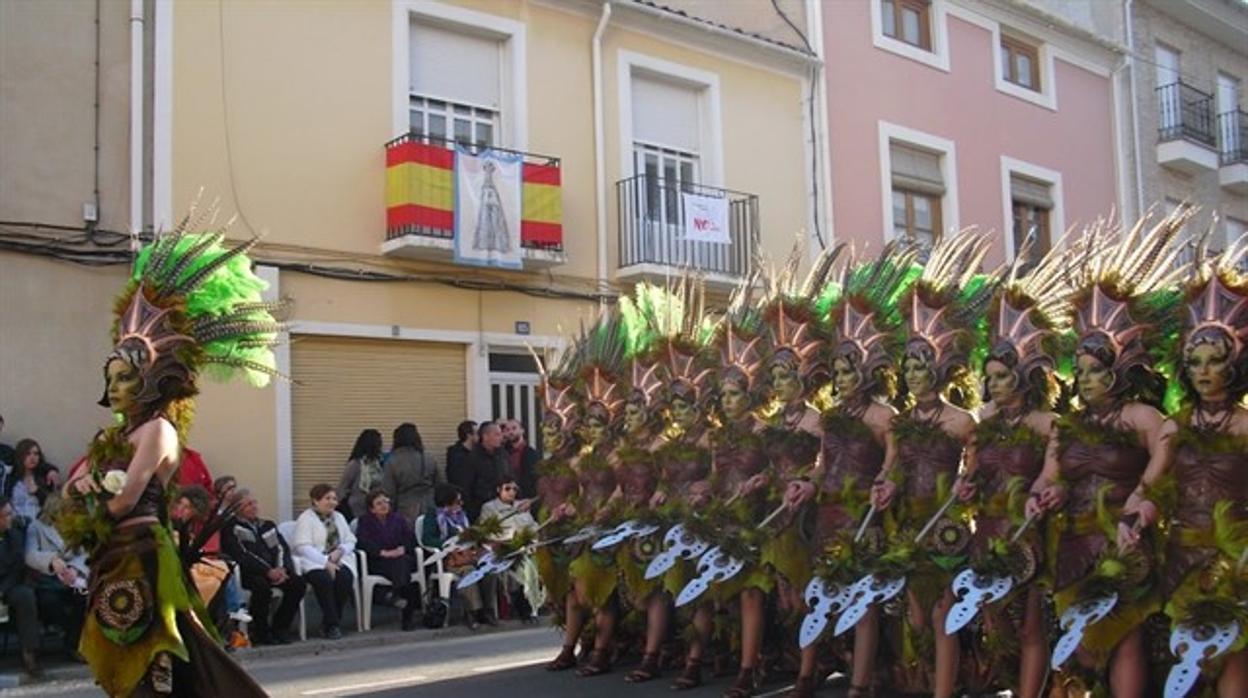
<point>522,458</point>
<point>265,563</point>
<point>458,452</point>
<point>16,593</point>
<point>479,479</point>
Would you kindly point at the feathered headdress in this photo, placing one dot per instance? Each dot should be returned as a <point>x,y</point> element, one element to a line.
<point>867,314</point>
<point>600,351</point>
<point>1125,298</point>
<point>947,303</point>
<point>682,342</point>
<point>738,338</point>
<point>792,317</point>
<point>194,305</point>
<point>646,316</point>
<point>1217,309</point>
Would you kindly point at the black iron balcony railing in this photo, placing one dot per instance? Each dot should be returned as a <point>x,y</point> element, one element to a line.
<point>652,227</point>
<point>1185,113</point>
<point>1232,137</point>
<point>420,191</point>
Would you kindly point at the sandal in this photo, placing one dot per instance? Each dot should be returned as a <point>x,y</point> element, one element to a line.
<point>691,677</point>
<point>804,687</point>
<point>565,660</point>
<point>648,670</point>
<point>743,686</point>
<point>599,664</point>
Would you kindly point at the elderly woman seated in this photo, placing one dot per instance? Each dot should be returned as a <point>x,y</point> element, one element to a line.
<point>60,575</point>
<point>389,540</point>
<point>448,519</point>
<point>325,549</point>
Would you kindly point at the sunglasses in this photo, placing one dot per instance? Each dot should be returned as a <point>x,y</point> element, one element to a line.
<point>510,488</point>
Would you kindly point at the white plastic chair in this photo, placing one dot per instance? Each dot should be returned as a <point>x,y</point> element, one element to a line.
<point>369,582</point>
<point>287,531</point>
<point>429,556</point>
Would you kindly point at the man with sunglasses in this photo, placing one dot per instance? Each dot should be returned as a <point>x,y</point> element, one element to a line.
<point>515,516</point>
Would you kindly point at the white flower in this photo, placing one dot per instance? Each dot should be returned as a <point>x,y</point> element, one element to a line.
<point>114,481</point>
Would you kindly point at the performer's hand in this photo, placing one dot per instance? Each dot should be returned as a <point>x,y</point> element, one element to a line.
<point>966,489</point>
<point>1143,507</point>
<point>1052,496</point>
<point>658,499</point>
<point>798,493</point>
<point>1033,508</point>
<point>86,485</point>
<point>1128,535</point>
<point>524,505</point>
<point>754,484</point>
<point>882,493</point>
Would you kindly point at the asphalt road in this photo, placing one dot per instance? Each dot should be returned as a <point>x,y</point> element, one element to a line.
<point>489,664</point>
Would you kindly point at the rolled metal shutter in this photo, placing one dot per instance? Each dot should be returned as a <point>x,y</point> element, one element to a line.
<point>343,386</point>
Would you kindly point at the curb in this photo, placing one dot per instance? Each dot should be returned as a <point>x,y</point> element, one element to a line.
<point>311,648</point>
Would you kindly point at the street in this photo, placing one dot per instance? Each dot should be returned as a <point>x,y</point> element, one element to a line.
<point>495,664</point>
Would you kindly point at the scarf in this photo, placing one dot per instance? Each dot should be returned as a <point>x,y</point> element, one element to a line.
<point>370,474</point>
<point>331,533</point>
<point>446,519</point>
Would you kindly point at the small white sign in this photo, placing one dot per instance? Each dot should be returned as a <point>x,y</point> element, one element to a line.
<point>706,218</point>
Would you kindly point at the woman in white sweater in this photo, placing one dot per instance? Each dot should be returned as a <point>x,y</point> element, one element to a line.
<point>324,548</point>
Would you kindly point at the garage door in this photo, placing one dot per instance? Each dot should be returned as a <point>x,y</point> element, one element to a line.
<point>343,386</point>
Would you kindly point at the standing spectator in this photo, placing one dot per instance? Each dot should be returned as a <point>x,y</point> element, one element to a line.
<point>410,473</point>
<point>458,452</point>
<point>449,520</point>
<point>389,541</point>
<point>362,473</point>
<point>60,576</point>
<point>265,564</point>
<point>6,458</point>
<point>19,597</point>
<point>31,480</point>
<point>485,469</point>
<point>325,547</point>
<point>193,470</point>
<point>523,458</point>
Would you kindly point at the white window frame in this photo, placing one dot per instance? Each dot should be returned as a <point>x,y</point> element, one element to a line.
<point>889,132</point>
<point>710,117</point>
<point>1057,214</point>
<point>937,58</point>
<point>450,116</point>
<point>1046,96</point>
<point>512,132</point>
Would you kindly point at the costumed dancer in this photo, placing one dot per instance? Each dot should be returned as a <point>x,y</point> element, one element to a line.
<point>932,438</point>
<point>1027,324</point>
<point>1205,576</point>
<point>1104,472</point>
<point>857,436</point>
<point>191,306</point>
<point>593,572</point>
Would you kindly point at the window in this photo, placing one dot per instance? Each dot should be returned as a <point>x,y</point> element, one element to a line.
<point>456,85</point>
<point>1020,62</point>
<point>666,142</point>
<point>918,186</point>
<point>1235,229</point>
<point>908,21</point>
<point>1031,202</point>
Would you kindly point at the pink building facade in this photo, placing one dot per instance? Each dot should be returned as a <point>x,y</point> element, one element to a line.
<point>944,115</point>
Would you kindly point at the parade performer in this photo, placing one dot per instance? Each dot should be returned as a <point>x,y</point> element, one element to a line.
<point>943,309</point>
<point>857,436</point>
<point>192,306</point>
<point>1104,472</point>
<point>1205,578</point>
<point>1014,429</point>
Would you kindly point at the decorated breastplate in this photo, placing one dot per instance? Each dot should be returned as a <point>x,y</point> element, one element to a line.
<point>850,452</point>
<point>1007,452</point>
<point>596,480</point>
<point>636,475</point>
<point>1099,458</point>
<point>791,451</point>
<point>682,464</point>
<point>556,483</point>
<point>1210,468</point>
<point>925,453</point>
<point>739,455</point>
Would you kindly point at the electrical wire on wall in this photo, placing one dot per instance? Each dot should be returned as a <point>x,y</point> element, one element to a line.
<point>814,129</point>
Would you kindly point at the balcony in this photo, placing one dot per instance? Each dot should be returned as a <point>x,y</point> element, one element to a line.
<point>421,202</point>
<point>654,240</point>
<point>1233,155</point>
<point>1186,139</point>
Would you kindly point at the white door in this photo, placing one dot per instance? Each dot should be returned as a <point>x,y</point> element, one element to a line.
<point>1167,88</point>
<point>514,396</point>
<point>1228,113</point>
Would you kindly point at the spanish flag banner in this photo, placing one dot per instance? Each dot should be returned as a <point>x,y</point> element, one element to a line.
<point>420,195</point>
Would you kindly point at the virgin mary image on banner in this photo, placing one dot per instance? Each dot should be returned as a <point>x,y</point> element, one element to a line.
<point>487,210</point>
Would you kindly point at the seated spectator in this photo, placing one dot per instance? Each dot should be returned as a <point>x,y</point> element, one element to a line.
<point>325,548</point>
<point>60,576</point>
<point>18,595</point>
<point>265,563</point>
<point>449,519</point>
<point>513,513</point>
<point>31,480</point>
<point>362,473</point>
<point>389,541</point>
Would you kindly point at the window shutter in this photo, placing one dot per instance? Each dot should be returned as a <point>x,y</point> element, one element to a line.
<point>665,113</point>
<point>1030,191</point>
<point>456,66</point>
<point>916,170</point>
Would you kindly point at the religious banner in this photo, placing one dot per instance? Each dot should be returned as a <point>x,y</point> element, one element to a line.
<point>487,208</point>
<point>705,218</point>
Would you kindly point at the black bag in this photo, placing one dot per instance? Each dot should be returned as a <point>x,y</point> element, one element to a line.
<point>435,613</point>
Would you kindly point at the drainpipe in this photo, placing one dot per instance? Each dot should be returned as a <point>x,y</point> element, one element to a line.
<point>136,120</point>
<point>600,166</point>
<point>1135,110</point>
